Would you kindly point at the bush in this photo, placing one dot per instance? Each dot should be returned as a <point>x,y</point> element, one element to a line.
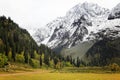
<point>36,55</point>
<point>3,60</point>
<point>51,63</point>
<point>20,58</point>
<point>67,64</point>
<point>34,63</point>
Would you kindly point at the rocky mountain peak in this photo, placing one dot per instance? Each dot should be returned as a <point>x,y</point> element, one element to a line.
<point>115,12</point>
<point>82,23</point>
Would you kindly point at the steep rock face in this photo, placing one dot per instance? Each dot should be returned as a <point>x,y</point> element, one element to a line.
<point>115,13</point>
<point>75,27</point>
<point>43,34</point>
<point>108,29</point>
<point>107,32</point>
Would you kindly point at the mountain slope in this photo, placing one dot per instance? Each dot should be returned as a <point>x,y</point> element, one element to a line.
<point>15,39</point>
<point>72,29</point>
<point>101,46</point>
<point>115,13</point>
<point>17,46</point>
<point>104,52</point>
<point>78,50</point>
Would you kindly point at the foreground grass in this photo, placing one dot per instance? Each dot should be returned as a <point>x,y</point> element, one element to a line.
<point>47,75</point>
<point>98,70</point>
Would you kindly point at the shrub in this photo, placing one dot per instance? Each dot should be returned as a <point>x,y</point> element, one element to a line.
<point>36,55</point>
<point>67,64</point>
<point>51,63</point>
<point>3,60</point>
<point>20,58</point>
<point>34,63</point>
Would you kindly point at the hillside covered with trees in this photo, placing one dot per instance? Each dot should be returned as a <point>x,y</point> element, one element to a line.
<point>16,45</point>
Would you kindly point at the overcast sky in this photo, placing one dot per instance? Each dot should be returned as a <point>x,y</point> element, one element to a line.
<point>37,13</point>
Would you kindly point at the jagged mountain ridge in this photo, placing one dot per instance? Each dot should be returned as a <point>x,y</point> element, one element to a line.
<point>115,12</point>
<point>73,28</point>
<point>87,31</point>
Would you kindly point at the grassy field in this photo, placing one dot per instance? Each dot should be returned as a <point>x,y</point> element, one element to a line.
<point>51,75</point>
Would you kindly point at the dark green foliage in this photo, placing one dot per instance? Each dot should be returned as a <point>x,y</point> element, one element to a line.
<point>15,39</point>
<point>1,46</point>
<point>40,60</point>
<point>34,63</point>
<point>46,60</point>
<point>18,46</point>
<point>3,60</point>
<point>78,62</point>
<point>48,55</point>
<point>26,57</point>
<point>104,52</point>
<point>55,61</point>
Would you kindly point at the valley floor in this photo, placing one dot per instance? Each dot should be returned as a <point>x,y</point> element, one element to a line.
<point>41,74</point>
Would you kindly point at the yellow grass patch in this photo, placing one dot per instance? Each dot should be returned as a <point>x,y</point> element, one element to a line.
<point>46,75</point>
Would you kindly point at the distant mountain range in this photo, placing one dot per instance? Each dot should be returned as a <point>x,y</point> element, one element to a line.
<point>86,31</point>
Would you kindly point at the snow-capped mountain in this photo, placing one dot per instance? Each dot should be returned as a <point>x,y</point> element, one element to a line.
<point>43,35</point>
<point>115,12</point>
<point>83,22</point>
<point>87,31</point>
